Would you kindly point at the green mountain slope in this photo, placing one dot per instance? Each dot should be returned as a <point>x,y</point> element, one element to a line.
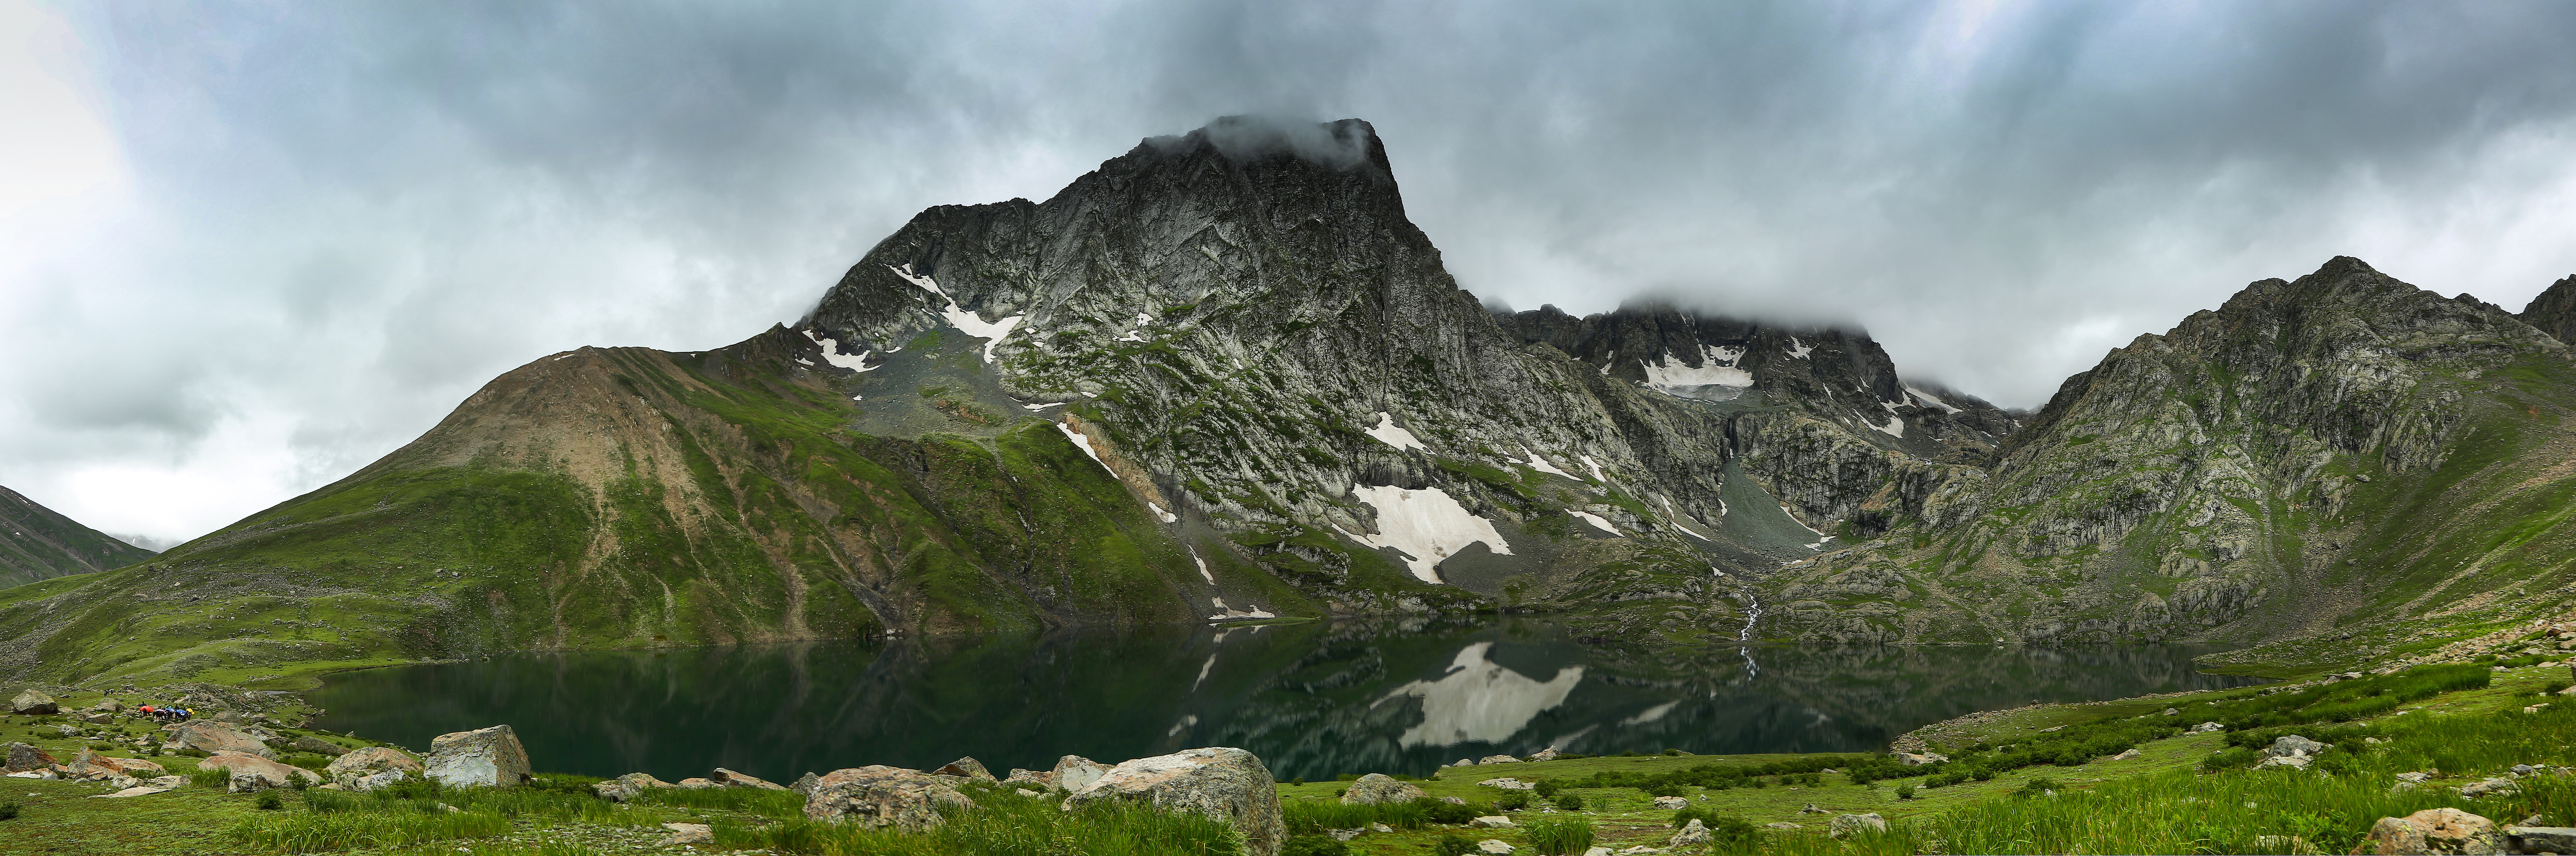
<point>2337,456</point>
<point>38,543</point>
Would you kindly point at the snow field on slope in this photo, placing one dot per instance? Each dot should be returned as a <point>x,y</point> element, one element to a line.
<point>967,322</point>
<point>1084,443</point>
<point>832,354</point>
<point>1387,432</point>
<point>1426,525</point>
<point>1717,368</point>
<point>1540,464</point>
<point>1921,397</point>
<point>1596,521</point>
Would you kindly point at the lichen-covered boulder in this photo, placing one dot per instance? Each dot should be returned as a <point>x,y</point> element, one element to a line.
<point>2292,745</point>
<point>2433,830</point>
<point>1074,772</point>
<point>33,702</point>
<point>89,766</point>
<point>210,736</point>
<point>362,763</point>
<point>484,757</point>
<point>627,787</point>
<point>254,773</point>
<point>1221,783</point>
<point>1380,789</point>
<point>1695,834</point>
<point>733,779</point>
<point>25,756</point>
<point>878,796</point>
<point>967,768</point>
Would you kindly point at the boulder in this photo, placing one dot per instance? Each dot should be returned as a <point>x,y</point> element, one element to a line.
<point>2433,830</point>
<point>1380,789</point>
<point>2292,745</point>
<point>878,796</point>
<point>731,779</point>
<point>690,833</point>
<point>316,745</point>
<point>1671,803</point>
<point>92,767</point>
<point>1509,784</point>
<point>2130,755</point>
<point>804,784</point>
<point>1490,822</point>
<point>372,781</point>
<point>33,702</point>
<point>1547,754</point>
<point>1844,825</point>
<point>627,787</point>
<point>1220,783</point>
<point>254,773</point>
<point>207,736</point>
<point>2489,788</point>
<point>362,763</point>
<point>1494,846</point>
<point>1498,759</point>
<point>2208,728</point>
<point>484,757</point>
<point>2541,839</point>
<point>25,757</point>
<point>968,768</point>
<point>697,783</point>
<point>1074,772</point>
<point>1693,834</point>
<point>1910,759</point>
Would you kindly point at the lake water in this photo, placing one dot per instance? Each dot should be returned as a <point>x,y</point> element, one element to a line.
<point>1312,700</point>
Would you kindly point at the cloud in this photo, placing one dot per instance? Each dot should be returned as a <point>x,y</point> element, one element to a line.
<point>292,237</point>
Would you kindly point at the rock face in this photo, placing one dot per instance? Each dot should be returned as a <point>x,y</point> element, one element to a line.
<point>211,736</point>
<point>1074,772</point>
<point>2433,830</point>
<point>2554,311</point>
<point>1380,788</point>
<point>33,702</point>
<point>485,757</point>
<point>1221,783</point>
<point>880,796</point>
<point>358,764</point>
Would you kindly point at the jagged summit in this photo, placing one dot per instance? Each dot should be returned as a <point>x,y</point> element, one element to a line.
<point>2554,311</point>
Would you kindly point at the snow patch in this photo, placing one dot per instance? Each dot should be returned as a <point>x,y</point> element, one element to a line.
<point>1203,571</point>
<point>1426,525</point>
<point>1594,467</point>
<point>1798,350</point>
<point>1922,398</point>
<point>1651,714</point>
<point>1160,514</point>
<point>1143,319</point>
<point>1596,521</point>
<point>1130,336</point>
<point>1895,427</point>
<point>1717,368</point>
<point>1387,432</point>
<point>1676,520</point>
<point>1084,443</point>
<point>992,332</point>
<point>1037,407</point>
<point>1540,464</point>
<point>832,354</point>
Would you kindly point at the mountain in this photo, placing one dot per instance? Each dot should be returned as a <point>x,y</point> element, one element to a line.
<point>2554,311</point>
<point>1224,377</point>
<point>37,543</point>
<point>2344,454</point>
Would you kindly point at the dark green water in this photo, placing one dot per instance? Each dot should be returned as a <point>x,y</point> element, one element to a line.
<point>1313,700</point>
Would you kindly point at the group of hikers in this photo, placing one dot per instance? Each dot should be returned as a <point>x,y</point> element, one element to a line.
<point>166,713</point>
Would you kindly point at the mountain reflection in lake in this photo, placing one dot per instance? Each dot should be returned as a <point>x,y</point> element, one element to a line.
<point>1312,699</point>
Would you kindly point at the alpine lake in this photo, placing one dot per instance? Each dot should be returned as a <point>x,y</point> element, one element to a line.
<point>1313,699</point>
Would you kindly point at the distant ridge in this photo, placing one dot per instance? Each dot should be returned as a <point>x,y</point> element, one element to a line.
<point>38,543</point>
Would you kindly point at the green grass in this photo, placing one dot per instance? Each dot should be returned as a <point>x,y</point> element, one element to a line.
<point>1003,824</point>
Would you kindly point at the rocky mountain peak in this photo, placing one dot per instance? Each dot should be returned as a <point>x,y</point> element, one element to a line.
<point>2554,311</point>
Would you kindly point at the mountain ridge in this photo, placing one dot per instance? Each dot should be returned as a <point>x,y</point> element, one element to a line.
<point>38,543</point>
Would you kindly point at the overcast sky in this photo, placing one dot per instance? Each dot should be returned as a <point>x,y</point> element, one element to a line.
<point>247,248</point>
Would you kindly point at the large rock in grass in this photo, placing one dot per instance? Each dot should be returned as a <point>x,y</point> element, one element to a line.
<point>1074,772</point>
<point>627,787</point>
<point>966,768</point>
<point>484,757</point>
<point>32,702</point>
<point>25,756</point>
<point>373,760</point>
<point>878,796</point>
<point>89,766</point>
<point>1380,789</point>
<point>732,779</point>
<point>210,736</point>
<point>2541,839</point>
<point>2433,830</point>
<point>1222,783</point>
<point>1695,834</point>
<point>254,773</point>
<point>2293,746</point>
<point>1845,825</point>
<point>317,746</point>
